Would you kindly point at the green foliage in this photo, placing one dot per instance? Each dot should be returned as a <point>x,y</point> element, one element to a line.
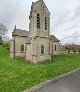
<point>74,50</point>
<point>1,41</point>
<point>16,75</point>
<point>6,45</point>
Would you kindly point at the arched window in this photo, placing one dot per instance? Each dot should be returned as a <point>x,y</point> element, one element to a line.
<point>45,23</point>
<point>42,49</point>
<point>38,21</point>
<point>55,47</point>
<point>22,47</point>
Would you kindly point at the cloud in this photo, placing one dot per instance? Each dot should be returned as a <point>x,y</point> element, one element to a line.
<point>65,17</point>
<point>67,28</point>
<point>77,13</point>
<point>71,39</point>
<point>7,11</point>
<point>13,13</point>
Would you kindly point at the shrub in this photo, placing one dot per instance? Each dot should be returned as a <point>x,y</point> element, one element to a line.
<point>6,45</point>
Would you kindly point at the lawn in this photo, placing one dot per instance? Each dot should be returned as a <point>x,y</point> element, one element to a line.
<point>17,75</point>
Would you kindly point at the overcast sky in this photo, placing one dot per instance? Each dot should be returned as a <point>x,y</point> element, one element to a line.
<point>65,17</point>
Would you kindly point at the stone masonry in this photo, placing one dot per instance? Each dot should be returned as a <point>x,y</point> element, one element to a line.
<point>35,45</point>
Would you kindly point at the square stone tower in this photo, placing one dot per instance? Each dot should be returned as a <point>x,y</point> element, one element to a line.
<point>39,28</point>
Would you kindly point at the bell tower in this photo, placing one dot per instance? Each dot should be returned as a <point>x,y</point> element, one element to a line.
<point>39,27</point>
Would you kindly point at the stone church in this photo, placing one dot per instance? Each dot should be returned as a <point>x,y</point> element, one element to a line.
<point>37,44</point>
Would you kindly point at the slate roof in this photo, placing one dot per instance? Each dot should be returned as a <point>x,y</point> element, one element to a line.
<point>24,33</point>
<point>54,39</point>
<point>19,32</point>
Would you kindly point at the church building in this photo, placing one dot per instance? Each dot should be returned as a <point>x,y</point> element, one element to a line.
<point>35,45</point>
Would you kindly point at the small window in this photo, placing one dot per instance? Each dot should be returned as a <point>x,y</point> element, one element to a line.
<point>38,21</point>
<point>22,47</point>
<point>42,49</point>
<point>55,47</point>
<point>45,23</point>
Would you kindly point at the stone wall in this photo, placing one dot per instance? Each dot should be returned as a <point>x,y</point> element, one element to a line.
<point>18,41</point>
<point>36,50</point>
<point>28,52</point>
<point>12,48</point>
<point>39,7</point>
<point>52,48</point>
<point>39,36</point>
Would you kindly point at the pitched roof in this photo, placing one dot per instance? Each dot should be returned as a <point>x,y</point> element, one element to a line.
<point>19,32</point>
<point>54,39</point>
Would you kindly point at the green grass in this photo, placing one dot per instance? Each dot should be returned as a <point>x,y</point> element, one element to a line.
<point>17,75</point>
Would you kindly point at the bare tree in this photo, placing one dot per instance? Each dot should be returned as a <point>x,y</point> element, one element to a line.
<point>3,29</point>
